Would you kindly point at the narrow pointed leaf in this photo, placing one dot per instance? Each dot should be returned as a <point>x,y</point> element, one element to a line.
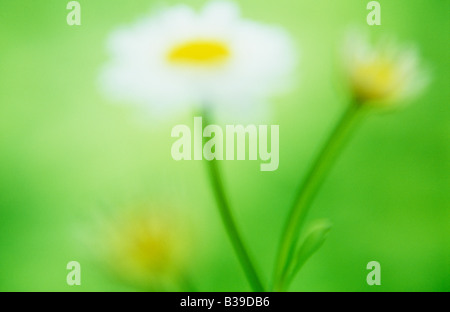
<point>312,241</point>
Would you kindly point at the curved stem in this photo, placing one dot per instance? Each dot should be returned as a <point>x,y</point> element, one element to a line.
<point>308,190</point>
<point>230,226</point>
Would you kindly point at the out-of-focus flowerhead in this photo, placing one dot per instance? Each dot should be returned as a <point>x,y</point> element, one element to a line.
<point>178,58</point>
<point>144,248</point>
<point>383,74</point>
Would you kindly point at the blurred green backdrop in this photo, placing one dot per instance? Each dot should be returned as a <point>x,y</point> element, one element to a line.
<point>65,151</point>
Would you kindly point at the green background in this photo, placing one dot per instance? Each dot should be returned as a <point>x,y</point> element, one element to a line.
<point>66,152</point>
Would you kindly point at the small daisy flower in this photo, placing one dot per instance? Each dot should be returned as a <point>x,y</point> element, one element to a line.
<point>144,248</point>
<point>384,74</point>
<point>179,59</point>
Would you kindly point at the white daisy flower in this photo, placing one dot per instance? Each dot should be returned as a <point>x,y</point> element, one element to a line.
<point>179,59</point>
<point>384,74</point>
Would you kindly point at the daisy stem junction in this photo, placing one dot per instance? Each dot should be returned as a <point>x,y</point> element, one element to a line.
<point>230,224</point>
<point>308,190</point>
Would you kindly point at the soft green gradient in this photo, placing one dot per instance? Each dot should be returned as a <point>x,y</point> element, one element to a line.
<point>66,152</point>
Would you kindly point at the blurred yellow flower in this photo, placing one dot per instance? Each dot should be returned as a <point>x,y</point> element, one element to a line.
<point>384,74</point>
<point>179,58</point>
<point>149,250</point>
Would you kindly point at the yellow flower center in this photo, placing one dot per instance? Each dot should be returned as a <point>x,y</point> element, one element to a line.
<point>199,52</point>
<point>376,80</point>
<point>151,251</point>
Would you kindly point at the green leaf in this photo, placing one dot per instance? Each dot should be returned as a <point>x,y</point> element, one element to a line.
<point>312,241</point>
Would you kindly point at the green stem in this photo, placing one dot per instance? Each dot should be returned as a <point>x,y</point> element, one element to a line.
<point>308,190</point>
<point>230,226</point>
